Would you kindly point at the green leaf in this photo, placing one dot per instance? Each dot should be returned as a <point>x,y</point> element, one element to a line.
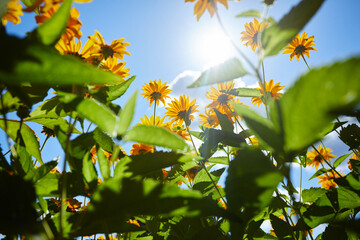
<point>28,137</point>
<point>243,92</point>
<point>339,160</point>
<point>92,110</point>
<point>158,136</point>
<point>262,128</point>
<point>319,172</point>
<point>226,71</point>
<point>28,62</point>
<point>312,194</point>
<point>126,115</point>
<point>145,164</point>
<point>116,91</point>
<point>220,160</point>
<point>251,181</point>
<point>250,13</point>
<point>104,164</point>
<point>355,164</point>
<point>104,140</point>
<point>129,198</point>
<point>276,37</point>
<point>40,172</point>
<point>51,108</point>
<point>89,171</point>
<point>281,228</point>
<point>48,186</point>
<point>51,30</point>
<point>296,106</point>
<point>347,199</point>
<point>203,183</point>
<point>334,232</point>
<point>9,103</point>
<point>53,122</point>
<point>224,121</point>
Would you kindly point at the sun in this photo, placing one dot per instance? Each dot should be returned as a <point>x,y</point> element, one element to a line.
<point>213,47</point>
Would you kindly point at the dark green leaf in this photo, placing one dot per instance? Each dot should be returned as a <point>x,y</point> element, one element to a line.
<point>251,181</point>
<point>28,62</point>
<point>40,172</point>
<point>226,71</point>
<point>347,199</point>
<point>224,121</point>
<point>350,135</point>
<point>51,108</point>
<point>27,135</point>
<point>279,35</point>
<point>203,183</point>
<point>158,136</point>
<point>243,92</point>
<point>300,130</point>
<point>355,164</point>
<point>89,171</point>
<point>18,215</point>
<point>126,115</point>
<point>281,228</point>
<point>333,232</point>
<point>50,31</point>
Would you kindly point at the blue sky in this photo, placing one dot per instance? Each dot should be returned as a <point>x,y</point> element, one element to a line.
<point>168,43</point>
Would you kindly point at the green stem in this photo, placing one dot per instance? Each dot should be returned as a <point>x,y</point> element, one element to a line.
<point>89,127</point>
<point>154,113</point>
<point>285,215</point>
<point>42,147</point>
<point>305,62</point>
<point>301,167</point>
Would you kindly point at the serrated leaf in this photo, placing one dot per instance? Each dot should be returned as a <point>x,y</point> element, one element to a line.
<point>158,136</point>
<point>203,183</point>
<point>126,115</point>
<point>51,108</point>
<point>281,228</point>
<point>226,71</point>
<point>276,37</point>
<point>224,121</point>
<point>295,106</point>
<point>42,65</point>
<point>104,140</point>
<point>28,136</point>
<point>51,30</point>
<point>40,172</point>
<point>53,122</point>
<point>243,92</point>
<point>347,199</point>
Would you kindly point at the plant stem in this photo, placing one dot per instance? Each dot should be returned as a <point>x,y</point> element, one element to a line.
<point>305,62</point>
<point>42,147</point>
<point>285,215</point>
<point>89,127</point>
<point>154,113</point>
<point>301,167</point>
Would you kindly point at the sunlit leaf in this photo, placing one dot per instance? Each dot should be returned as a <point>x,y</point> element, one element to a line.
<point>40,172</point>
<point>340,159</point>
<point>203,183</point>
<point>279,35</point>
<point>48,186</point>
<point>302,120</point>
<point>27,62</point>
<point>53,122</point>
<point>226,71</point>
<point>224,121</point>
<point>319,172</point>
<point>89,171</point>
<point>104,140</point>
<point>220,160</point>
<point>27,134</point>
<point>104,163</point>
<point>312,194</point>
<point>243,92</point>
<point>158,136</point>
<point>50,31</point>
<point>116,91</point>
<point>9,102</point>
<point>126,115</point>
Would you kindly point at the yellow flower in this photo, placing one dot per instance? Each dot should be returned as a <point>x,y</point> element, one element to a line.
<point>220,100</point>
<point>353,157</point>
<point>327,180</point>
<point>300,46</point>
<point>133,222</point>
<point>209,5</point>
<point>140,148</point>
<point>117,48</point>
<point>209,119</point>
<point>155,91</point>
<point>274,90</point>
<point>251,33</point>
<point>181,110</point>
<point>180,130</point>
<point>14,10</point>
<point>112,65</point>
<point>159,121</point>
<point>316,159</point>
<point>254,141</point>
<point>73,25</point>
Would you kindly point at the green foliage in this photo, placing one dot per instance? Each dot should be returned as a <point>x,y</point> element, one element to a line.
<point>243,92</point>
<point>229,70</point>
<point>279,35</point>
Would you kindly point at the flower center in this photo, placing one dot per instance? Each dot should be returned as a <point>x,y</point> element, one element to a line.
<point>318,158</point>
<point>155,95</point>
<point>107,51</point>
<point>223,99</point>
<point>182,114</point>
<point>299,50</point>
